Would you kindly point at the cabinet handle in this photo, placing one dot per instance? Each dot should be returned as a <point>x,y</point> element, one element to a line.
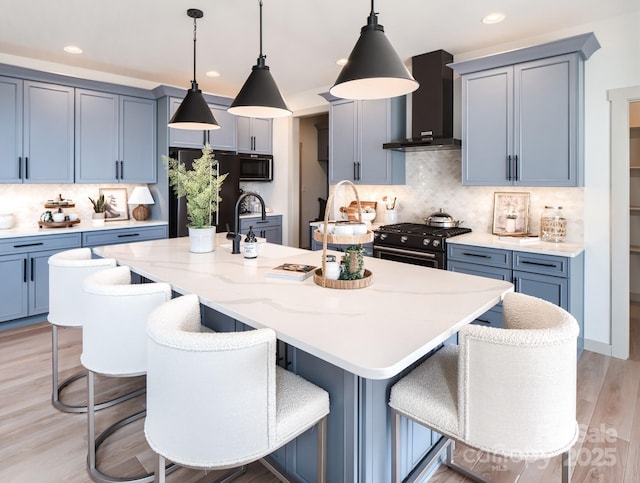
<point>484,321</point>
<point>116,169</point>
<point>476,255</point>
<point>121,169</point>
<point>26,167</point>
<point>126,235</point>
<point>515,284</point>
<point>539,264</point>
<point>509,168</point>
<point>262,221</point>
<point>20,167</point>
<point>515,164</point>
<point>24,270</point>
<point>32,264</point>
<point>359,171</point>
<point>22,245</point>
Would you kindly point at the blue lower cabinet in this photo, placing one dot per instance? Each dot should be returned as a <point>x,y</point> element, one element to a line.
<point>270,228</point>
<point>24,264</point>
<point>123,235</point>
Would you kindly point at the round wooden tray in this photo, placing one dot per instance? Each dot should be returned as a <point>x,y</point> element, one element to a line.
<point>59,205</point>
<point>363,282</point>
<point>344,239</point>
<point>57,224</point>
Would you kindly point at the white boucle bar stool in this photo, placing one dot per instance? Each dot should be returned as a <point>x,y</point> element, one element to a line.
<point>509,392</point>
<point>67,271</point>
<point>114,343</point>
<point>218,400</point>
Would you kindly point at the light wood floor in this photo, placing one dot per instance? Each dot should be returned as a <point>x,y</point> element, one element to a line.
<point>40,444</point>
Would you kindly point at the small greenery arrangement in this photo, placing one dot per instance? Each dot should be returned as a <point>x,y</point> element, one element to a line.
<point>200,185</point>
<point>353,263</point>
<point>98,204</point>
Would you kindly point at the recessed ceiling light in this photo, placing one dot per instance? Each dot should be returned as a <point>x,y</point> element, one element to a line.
<point>493,18</point>
<point>341,61</point>
<point>212,73</point>
<point>73,49</point>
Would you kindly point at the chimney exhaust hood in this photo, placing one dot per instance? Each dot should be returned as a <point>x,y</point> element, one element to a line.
<point>431,106</point>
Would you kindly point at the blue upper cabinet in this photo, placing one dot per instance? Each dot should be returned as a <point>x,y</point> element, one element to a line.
<point>47,143</point>
<point>255,135</point>
<point>115,138</point>
<point>10,130</point>
<point>223,139</point>
<point>522,115</point>
<point>357,131</point>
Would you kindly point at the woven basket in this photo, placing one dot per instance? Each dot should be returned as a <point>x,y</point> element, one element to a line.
<point>318,275</point>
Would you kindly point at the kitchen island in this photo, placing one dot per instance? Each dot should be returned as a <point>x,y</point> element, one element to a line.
<point>353,343</point>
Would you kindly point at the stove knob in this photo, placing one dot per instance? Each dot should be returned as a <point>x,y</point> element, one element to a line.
<point>403,239</point>
<point>426,242</point>
<point>436,243</point>
<point>383,236</point>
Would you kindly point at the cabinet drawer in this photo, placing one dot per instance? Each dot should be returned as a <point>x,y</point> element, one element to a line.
<point>479,270</point>
<point>543,264</point>
<point>39,243</point>
<point>482,256</point>
<point>123,235</point>
<point>259,223</point>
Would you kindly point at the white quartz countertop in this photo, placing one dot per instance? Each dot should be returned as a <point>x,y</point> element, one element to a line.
<point>34,230</point>
<point>491,241</point>
<point>373,332</point>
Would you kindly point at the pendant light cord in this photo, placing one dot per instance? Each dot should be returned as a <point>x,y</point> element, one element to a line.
<point>194,49</point>
<point>261,56</point>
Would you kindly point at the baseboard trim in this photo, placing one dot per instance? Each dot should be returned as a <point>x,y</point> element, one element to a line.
<point>597,346</point>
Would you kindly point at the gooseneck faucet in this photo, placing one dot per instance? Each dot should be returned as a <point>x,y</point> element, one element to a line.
<point>236,235</point>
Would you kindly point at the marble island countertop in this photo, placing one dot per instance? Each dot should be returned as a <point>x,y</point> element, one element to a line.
<point>374,332</point>
<point>34,230</point>
<point>563,249</point>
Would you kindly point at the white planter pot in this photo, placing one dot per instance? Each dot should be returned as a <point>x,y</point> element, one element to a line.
<point>202,240</point>
<point>97,219</point>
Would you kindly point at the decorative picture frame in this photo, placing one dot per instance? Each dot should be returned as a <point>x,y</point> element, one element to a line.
<point>115,204</point>
<point>511,213</point>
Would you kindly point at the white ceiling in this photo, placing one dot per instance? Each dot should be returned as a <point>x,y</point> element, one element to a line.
<point>152,39</point>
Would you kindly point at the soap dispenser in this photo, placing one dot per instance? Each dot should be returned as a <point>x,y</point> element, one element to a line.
<point>250,245</point>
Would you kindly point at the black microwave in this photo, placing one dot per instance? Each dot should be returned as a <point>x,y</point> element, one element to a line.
<point>256,167</point>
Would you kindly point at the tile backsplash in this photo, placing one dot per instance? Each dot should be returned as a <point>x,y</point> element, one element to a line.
<point>26,201</point>
<point>434,182</point>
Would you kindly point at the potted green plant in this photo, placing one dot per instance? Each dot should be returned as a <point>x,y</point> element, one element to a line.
<point>98,215</point>
<point>201,187</point>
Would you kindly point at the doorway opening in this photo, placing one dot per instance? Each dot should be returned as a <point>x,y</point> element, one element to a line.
<point>314,172</point>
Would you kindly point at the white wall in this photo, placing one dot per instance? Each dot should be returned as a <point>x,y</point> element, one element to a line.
<point>616,64</point>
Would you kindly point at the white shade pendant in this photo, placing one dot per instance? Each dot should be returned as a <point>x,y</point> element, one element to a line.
<point>374,69</point>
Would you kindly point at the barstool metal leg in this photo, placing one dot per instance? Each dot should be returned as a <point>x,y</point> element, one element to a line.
<point>566,467</point>
<point>322,450</point>
<point>395,446</point>
<point>95,443</point>
<point>58,387</point>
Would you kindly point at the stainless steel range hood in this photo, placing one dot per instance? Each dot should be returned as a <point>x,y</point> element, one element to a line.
<point>432,106</point>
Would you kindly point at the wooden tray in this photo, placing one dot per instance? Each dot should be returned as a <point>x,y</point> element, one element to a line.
<point>363,282</point>
<point>344,239</point>
<point>318,274</point>
<point>59,205</point>
<point>57,224</point>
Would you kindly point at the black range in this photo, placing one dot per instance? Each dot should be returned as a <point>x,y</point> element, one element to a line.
<point>414,243</point>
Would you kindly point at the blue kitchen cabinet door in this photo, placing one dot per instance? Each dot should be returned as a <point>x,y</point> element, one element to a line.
<point>14,293</point>
<point>225,138</point>
<point>552,289</point>
<point>96,141</point>
<point>255,135</point>
<point>137,135</point>
<point>522,124</point>
<point>115,138</point>
<point>487,127</point>
<point>48,135</point>
<point>357,131</point>
<point>11,158</point>
<point>39,282</point>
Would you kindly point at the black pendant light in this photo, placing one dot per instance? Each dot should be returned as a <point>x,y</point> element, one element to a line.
<point>194,113</point>
<point>374,70</point>
<point>259,96</point>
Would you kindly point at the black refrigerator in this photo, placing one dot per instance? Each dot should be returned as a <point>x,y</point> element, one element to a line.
<point>227,163</point>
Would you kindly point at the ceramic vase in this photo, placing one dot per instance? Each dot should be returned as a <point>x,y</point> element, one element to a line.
<point>202,240</point>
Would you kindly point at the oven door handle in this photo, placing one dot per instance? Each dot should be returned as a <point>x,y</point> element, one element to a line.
<point>402,251</point>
